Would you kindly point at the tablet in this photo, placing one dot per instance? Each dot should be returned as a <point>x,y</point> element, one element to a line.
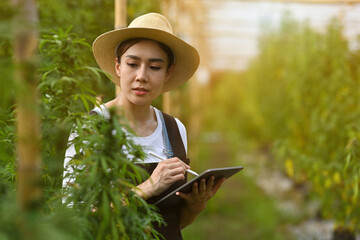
<point>218,173</point>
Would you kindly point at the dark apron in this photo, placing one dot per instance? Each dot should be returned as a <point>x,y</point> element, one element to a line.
<point>169,210</point>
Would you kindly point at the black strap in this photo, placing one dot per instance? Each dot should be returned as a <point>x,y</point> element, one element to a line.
<point>175,139</point>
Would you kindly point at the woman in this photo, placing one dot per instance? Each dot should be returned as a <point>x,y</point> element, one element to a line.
<point>145,60</point>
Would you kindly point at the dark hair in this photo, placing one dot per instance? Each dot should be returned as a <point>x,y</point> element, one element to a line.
<point>124,46</point>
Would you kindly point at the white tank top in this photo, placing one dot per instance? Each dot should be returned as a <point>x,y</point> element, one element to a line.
<point>154,142</point>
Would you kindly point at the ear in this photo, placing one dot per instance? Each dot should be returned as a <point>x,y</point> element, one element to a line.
<point>117,67</point>
<point>169,72</point>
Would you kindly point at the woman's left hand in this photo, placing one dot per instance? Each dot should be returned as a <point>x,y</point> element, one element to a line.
<point>201,193</point>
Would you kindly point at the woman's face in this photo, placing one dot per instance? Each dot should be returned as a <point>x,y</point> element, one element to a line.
<point>143,72</point>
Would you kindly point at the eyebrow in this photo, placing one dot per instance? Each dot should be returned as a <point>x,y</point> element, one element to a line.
<point>151,59</point>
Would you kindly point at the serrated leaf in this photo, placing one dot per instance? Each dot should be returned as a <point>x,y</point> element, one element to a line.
<point>104,165</point>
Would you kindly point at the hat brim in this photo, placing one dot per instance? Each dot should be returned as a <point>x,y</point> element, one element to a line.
<point>186,57</point>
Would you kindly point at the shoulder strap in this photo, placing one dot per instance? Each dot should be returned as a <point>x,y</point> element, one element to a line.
<point>175,139</point>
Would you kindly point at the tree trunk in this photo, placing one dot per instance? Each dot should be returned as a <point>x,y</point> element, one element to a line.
<point>120,22</point>
<point>28,129</point>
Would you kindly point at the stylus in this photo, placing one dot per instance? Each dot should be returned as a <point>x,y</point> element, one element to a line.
<point>161,159</point>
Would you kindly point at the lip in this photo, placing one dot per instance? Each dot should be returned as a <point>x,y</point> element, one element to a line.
<point>140,91</point>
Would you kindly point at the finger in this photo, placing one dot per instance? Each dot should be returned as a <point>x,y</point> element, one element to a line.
<point>177,178</point>
<point>175,159</point>
<point>176,162</point>
<point>181,162</point>
<point>209,184</point>
<point>170,162</point>
<point>184,196</point>
<point>169,175</point>
<point>171,169</point>
<point>176,171</point>
<point>202,186</point>
<point>216,187</point>
<point>195,189</point>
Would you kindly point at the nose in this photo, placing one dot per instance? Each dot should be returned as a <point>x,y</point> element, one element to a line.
<point>141,74</point>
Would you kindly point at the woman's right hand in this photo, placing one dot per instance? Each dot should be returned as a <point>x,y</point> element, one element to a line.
<point>165,174</point>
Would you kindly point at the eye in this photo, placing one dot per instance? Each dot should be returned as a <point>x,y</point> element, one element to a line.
<point>132,65</point>
<point>156,68</point>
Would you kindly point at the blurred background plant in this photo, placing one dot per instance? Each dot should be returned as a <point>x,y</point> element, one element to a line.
<point>299,102</point>
<point>306,91</point>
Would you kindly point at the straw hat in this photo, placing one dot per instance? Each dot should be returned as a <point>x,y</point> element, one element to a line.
<point>155,27</point>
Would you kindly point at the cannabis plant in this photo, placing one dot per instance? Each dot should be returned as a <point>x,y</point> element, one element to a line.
<point>100,180</point>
